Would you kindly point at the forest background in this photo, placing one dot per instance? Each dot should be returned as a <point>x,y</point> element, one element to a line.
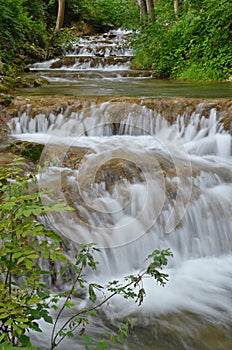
<point>185,39</point>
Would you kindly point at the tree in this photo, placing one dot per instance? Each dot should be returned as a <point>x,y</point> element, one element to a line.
<point>143,10</point>
<point>150,10</point>
<point>60,15</point>
<point>176,6</point>
<point>146,10</point>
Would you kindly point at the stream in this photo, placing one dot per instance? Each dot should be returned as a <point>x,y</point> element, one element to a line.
<point>100,66</point>
<point>139,183</point>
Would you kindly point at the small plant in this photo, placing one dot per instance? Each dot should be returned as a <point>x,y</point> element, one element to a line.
<point>28,252</point>
<point>131,288</point>
<point>23,243</point>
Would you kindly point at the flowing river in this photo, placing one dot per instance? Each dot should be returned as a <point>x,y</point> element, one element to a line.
<point>139,182</point>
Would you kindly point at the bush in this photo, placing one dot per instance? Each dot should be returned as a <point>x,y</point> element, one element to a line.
<point>23,242</point>
<point>20,27</point>
<point>198,40</point>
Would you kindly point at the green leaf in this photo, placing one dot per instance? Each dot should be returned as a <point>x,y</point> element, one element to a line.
<point>16,255</point>
<point>87,339</point>
<point>63,270</point>
<point>47,318</point>
<point>29,264</point>
<point>8,322</point>
<point>69,304</point>
<point>92,294</point>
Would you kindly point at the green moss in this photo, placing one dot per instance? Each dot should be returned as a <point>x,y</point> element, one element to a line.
<point>30,150</point>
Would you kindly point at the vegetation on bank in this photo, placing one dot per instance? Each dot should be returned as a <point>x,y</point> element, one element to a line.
<point>192,41</point>
<point>188,39</point>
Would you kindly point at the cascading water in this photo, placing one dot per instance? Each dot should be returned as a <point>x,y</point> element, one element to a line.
<point>100,65</point>
<point>137,184</point>
<point>103,57</point>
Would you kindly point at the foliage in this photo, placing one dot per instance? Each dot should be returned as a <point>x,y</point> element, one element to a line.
<point>131,288</point>
<point>194,45</point>
<point>23,292</point>
<point>21,25</point>
<point>27,29</point>
<point>64,39</point>
<point>120,13</point>
<point>28,253</point>
<point>7,346</point>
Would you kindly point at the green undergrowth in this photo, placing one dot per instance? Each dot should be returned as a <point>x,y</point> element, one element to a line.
<point>7,346</point>
<point>195,44</point>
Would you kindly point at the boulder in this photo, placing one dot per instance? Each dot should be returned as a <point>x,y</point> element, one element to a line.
<point>29,150</point>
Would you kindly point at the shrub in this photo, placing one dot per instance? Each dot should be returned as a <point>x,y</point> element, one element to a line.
<point>199,40</point>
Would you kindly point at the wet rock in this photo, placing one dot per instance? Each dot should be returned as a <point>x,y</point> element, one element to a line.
<point>166,106</point>
<point>64,61</point>
<point>4,118</point>
<point>39,82</point>
<point>169,108</point>
<point>29,150</point>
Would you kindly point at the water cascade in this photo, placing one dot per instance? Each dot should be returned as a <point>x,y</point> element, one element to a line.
<point>175,192</point>
<point>137,183</point>
<point>100,65</point>
<point>100,57</point>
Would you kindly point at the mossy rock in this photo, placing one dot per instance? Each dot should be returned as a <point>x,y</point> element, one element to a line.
<point>30,150</point>
<point>5,99</point>
<point>4,88</point>
<point>39,82</point>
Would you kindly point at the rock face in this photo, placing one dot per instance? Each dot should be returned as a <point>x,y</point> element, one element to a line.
<point>169,108</point>
<point>4,118</point>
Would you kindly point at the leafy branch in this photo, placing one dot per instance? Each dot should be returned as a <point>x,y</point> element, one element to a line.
<point>132,288</point>
<point>25,244</point>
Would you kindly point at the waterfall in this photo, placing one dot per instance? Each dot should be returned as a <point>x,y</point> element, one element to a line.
<point>193,157</point>
<point>144,184</point>
<point>141,177</point>
<point>109,52</point>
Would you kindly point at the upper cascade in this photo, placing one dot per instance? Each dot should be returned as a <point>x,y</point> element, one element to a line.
<point>113,43</point>
<point>104,52</point>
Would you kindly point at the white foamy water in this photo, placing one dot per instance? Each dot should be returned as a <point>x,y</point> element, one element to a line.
<point>183,201</point>
<point>91,53</point>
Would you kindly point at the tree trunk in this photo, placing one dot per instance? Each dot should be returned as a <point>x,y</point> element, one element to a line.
<point>143,10</point>
<point>60,15</point>
<point>176,6</point>
<point>150,10</point>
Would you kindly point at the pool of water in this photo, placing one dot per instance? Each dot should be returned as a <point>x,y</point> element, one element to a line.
<point>132,87</point>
